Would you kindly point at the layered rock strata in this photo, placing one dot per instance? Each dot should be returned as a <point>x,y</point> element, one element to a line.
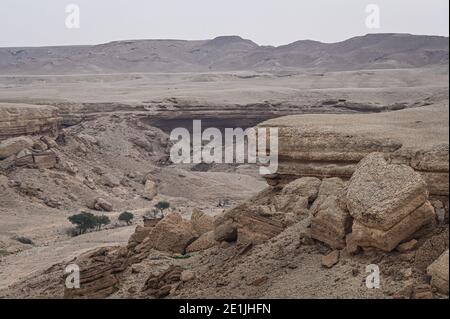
<point>332,145</point>
<point>26,119</point>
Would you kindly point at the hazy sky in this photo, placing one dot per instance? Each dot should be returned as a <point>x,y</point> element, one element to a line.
<point>268,22</point>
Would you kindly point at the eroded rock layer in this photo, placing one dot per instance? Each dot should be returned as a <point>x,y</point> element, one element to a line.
<point>25,119</point>
<point>332,145</point>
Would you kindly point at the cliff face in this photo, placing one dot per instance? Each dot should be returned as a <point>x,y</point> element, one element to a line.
<point>25,119</point>
<point>332,145</point>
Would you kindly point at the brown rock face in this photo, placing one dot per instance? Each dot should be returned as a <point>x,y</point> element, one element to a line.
<point>13,146</point>
<point>330,220</point>
<point>172,234</point>
<point>204,242</point>
<point>98,272</point>
<point>160,285</point>
<point>201,222</point>
<point>388,203</point>
<point>331,259</point>
<point>380,195</point>
<point>24,119</point>
<point>439,273</point>
<point>332,145</point>
<point>331,223</point>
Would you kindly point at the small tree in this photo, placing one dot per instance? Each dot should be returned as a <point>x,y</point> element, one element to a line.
<point>162,206</point>
<point>126,217</point>
<point>83,221</point>
<point>102,220</point>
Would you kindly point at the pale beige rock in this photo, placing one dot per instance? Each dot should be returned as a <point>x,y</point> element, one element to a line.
<point>14,145</point>
<point>380,195</point>
<point>330,223</point>
<point>150,190</point>
<point>387,240</point>
<point>24,119</point>
<point>331,259</point>
<point>439,273</point>
<point>307,187</point>
<point>331,145</point>
<point>102,205</point>
<point>172,234</point>
<point>187,275</point>
<point>408,246</point>
<point>201,222</point>
<point>204,242</point>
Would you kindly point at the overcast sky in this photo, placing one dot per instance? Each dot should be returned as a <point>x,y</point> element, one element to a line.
<point>267,22</point>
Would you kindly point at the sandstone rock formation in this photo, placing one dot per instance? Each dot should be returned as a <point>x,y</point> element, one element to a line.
<point>150,189</point>
<point>13,146</point>
<point>332,145</point>
<point>160,285</point>
<point>172,234</point>
<point>205,241</point>
<point>24,119</point>
<point>388,202</point>
<point>330,220</point>
<point>439,273</point>
<point>98,272</point>
<point>201,222</point>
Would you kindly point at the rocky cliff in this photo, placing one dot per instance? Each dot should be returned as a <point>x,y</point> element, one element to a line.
<point>25,119</point>
<point>331,145</point>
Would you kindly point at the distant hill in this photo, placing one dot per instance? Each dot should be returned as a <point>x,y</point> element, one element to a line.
<point>228,53</point>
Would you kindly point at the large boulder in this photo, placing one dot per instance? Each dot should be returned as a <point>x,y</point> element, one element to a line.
<point>150,189</point>
<point>439,273</point>
<point>201,222</point>
<point>14,145</point>
<point>102,204</point>
<point>204,242</point>
<point>388,202</point>
<point>307,187</point>
<point>172,234</point>
<point>330,221</point>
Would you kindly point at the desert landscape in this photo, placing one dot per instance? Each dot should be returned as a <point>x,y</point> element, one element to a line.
<point>362,182</point>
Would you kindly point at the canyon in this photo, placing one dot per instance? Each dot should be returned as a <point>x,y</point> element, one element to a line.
<point>362,176</point>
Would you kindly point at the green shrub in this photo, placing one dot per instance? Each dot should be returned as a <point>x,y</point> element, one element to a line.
<point>126,217</point>
<point>162,206</point>
<point>102,221</point>
<point>84,221</point>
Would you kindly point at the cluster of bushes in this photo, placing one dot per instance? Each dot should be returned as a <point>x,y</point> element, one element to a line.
<point>87,221</point>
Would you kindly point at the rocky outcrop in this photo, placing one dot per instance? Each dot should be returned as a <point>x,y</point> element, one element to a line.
<point>330,219</point>
<point>172,234</point>
<point>150,189</point>
<point>160,285</point>
<point>99,271</point>
<point>13,146</point>
<point>439,273</point>
<point>332,145</point>
<point>201,222</point>
<point>388,202</point>
<point>205,241</point>
<point>26,119</point>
